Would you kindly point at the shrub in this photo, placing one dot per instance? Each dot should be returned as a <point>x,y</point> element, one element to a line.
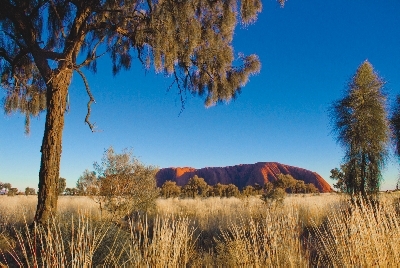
<point>30,191</point>
<point>62,184</point>
<point>170,189</point>
<point>248,191</point>
<point>87,183</point>
<point>195,187</point>
<point>12,192</point>
<point>125,185</point>
<point>276,194</point>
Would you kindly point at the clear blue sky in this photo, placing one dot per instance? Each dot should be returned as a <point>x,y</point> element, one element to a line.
<point>309,50</point>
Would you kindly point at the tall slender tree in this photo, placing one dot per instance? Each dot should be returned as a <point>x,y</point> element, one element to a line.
<point>44,42</point>
<point>395,128</point>
<point>362,128</point>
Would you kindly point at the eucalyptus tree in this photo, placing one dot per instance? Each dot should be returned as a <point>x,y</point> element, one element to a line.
<point>362,128</point>
<point>44,42</point>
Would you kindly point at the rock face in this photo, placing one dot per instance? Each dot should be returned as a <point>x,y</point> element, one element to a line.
<point>242,175</point>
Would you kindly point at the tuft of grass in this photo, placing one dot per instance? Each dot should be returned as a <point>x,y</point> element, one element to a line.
<point>273,241</point>
<point>359,236</point>
<point>54,245</point>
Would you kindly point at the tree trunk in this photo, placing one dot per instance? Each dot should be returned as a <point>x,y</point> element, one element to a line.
<point>56,95</point>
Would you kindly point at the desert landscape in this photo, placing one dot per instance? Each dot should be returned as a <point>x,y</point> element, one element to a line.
<point>199,133</point>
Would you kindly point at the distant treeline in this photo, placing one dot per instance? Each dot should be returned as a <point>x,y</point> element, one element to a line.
<point>197,187</point>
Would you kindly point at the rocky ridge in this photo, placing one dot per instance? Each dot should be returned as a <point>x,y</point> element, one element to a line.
<point>242,175</point>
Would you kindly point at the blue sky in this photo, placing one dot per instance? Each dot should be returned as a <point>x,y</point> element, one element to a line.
<point>309,50</point>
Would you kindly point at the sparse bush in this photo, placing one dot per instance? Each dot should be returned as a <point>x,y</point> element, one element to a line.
<point>87,184</point>
<point>12,192</point>
<point>62,184</point>
<point>195,187</point>
<point>30,191</point>
<point>71,191</point>
<point>276,194</point>
<point>248,191</point>
<point>231,190</point>
<point>170,189</point>
<point>218,190</point>
<point>125,184</point>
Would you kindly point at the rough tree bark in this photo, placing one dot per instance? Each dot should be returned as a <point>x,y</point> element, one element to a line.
<point>51,146</point>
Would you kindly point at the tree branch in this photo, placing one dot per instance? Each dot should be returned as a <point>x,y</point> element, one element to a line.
<point>59,18</point>
<point>93,55</point>
<point>91,100</point>
<point>183,101</point>
<point>5,56</point>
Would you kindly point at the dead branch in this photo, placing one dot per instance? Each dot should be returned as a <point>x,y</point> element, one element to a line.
<point>91,100</point>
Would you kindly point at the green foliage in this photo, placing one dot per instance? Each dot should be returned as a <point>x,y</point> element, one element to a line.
<point>395,128</point>
<point>42,43</point>
<point>195,187</point>
<point>170,189</point>
<point>232,191</point>
<point>62,184</point>
<point>87,184</point>
<point>258,189</point>
<point>125,185</point>
<point>248,191</point>
<point>72,191</point>
<point>310,188</point>
<point>276,191</point>
<point>362,128</point>
<point>286,182</point>
<point>291,185</point>
<point>276,194</point>
<point>30,191</point>
<point>191,40</point>
<point>5,185</point>
<point>217,190</point>
<point>12,191</point>
<point>338,175</point>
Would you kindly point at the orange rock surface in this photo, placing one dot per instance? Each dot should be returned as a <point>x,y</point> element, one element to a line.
<point>242,175</point>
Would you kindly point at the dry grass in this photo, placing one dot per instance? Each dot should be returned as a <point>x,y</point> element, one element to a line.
<point>305,231</point>
<point>359,236</point>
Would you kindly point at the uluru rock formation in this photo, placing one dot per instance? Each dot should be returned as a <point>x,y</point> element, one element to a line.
<point>242,175</point>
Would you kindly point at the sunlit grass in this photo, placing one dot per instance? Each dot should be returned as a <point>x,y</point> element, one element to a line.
<point>304,231</point>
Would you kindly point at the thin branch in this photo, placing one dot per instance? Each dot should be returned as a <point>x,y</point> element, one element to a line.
<point>150,6</point>
<point>59,18</point>
<point>93,55</point>
<point>91,100</point>
<point>5,56</point>
<point>37,8</point>
<point>180,93</point>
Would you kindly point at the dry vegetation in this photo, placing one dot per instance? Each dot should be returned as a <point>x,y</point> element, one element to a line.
<point>304,231</point>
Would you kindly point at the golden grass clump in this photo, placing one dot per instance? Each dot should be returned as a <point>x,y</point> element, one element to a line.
<point>54,245</point>
<point>359,236</point>
<point>273,241</point>
<point>165,242</point>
